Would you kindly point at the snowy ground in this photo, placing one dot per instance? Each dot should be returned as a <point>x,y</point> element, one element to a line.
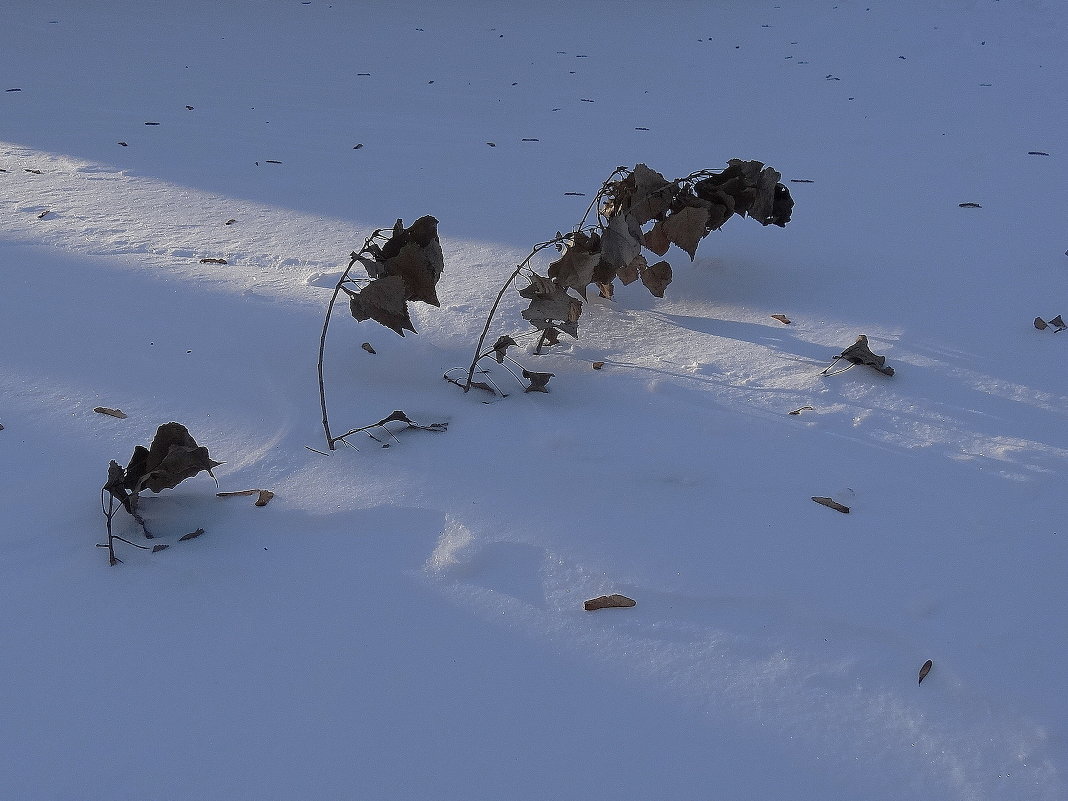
<point>407,622</point>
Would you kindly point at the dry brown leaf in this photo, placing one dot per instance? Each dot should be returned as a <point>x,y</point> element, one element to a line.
<point>831,504</point>
<point>574,269</point>
<point>686,227</point>
<point>656,278</point>
<point>614,601</point>
<point>235,493</point>
<point>265,497</point>
<point>803,409</point>
<point>925,670</point>
<point>598,365</point>
<point>782,318</point>
<point>1041,324</point>
<point>621,242</point>
<point>192,535</point>
<point>112,412</point>
<point>633,271</point>
<point>656,239</point>
<point>382,300</point>
<point>367,347</point>
<point>213,261</point>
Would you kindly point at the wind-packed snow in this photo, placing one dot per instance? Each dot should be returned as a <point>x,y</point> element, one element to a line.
<point>407,622</point>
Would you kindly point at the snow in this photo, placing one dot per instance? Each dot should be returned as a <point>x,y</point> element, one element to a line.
<point>407,622</point>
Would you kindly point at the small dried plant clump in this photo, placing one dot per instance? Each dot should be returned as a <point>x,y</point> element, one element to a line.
<point>636,209</point>
<point>172,457</point>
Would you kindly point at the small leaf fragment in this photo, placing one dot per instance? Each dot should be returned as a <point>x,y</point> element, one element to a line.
<point>925,670</point>
<point>614,601</point>
<point>111,412</point>
<point>160,547</point>
<point>782,318</point>
<point>969,205</point>
<point>367,347</point>
<point>803,409</point>
<point>192,535</point>
<point>1041,324</point>
<point>235,493</point>
<point>1058,323</point>
<point>265,497</point>
<point>538,381</point>
<point>231,221</point>
<point>213,261</point>
<point>598,365</point>
<point>656,278</point>
<point>831,504</point>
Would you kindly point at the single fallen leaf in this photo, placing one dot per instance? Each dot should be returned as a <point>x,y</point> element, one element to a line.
<point>614,601</point>
<point>151,123</point>
<point>44,214</point>
<point>1041,324</point>
<point>367,347</point>
<point>1037,153</point>
<point>598,365</point>
<point>235,493</point>
<point>213,261</point>
<point>160,547</point>
<point>231,221</point>
<point>492,144</point>
<point>969,205</point>
<point>265,497</point>
<point>358,146</point>
<point>112,412</point>
<point>272,161</point>
<point>124,144</point>
<point>925,670</point>
<point>782,318</point>
<point>831,504</point>
<point>35,172</point>
<point>802,181</point>
<point>192,535</point>
<point>803,409</point>
<point>574,194</point>
<point>1058,323</point>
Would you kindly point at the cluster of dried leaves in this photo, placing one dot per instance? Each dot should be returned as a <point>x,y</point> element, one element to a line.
<point>407,267</point>
<point>638,209</point>
<point>172,457</point>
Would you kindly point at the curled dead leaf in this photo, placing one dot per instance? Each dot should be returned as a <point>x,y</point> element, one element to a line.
<point>598,365</point>
<point>367,347</point>
<point>537,381</point>
<point>782,318</point>
<point>925,670</point>
<point>192,535</point>
<point>111,412</point>
<point>264,498</point>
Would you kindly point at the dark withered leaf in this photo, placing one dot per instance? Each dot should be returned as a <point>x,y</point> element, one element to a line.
<point>382,300</point>
<point>538,381</point>
<point>1058,323</point>
<point>172,457</point>
<point>656,278</point>
<point>412,265</point>
<point>830,503</point>
<point>1041,324</point>
<point>763,208</point>
<point>160,547</point>
<point>644,194</point>
<point>192,535</point>
<point>574,269</point>
<point>860,353</point>
<point>656,239</point>
<point>622,240</point>
<point>500,348</point>
<point>550,302</point>
<point>552,336</point>
<point>783,207</point>
<point>686,227</point>
<point>633,271</point>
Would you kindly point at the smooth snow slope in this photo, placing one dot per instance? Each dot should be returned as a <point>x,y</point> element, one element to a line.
<point>407,622</point>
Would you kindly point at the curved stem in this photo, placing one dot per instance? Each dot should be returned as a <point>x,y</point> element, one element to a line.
<point>330,440</point>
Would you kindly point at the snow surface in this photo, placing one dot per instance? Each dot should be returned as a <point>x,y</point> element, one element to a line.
<point>407,622</point>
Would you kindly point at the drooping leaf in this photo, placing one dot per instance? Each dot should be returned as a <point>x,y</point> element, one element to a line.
<point>550,305</point>
<point>633,271</point>
<point>116,486</point>
<point>383,300</point>
<point>656,239</point>
<point>417,272</point>
<point>574,269</point>
<point>763,206</point>
<point>686,228</point>
<point>538,381</point>
<point>644,194</point>
<point>500,348</point>
<point>621,240</point>
<point>656,278</point>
